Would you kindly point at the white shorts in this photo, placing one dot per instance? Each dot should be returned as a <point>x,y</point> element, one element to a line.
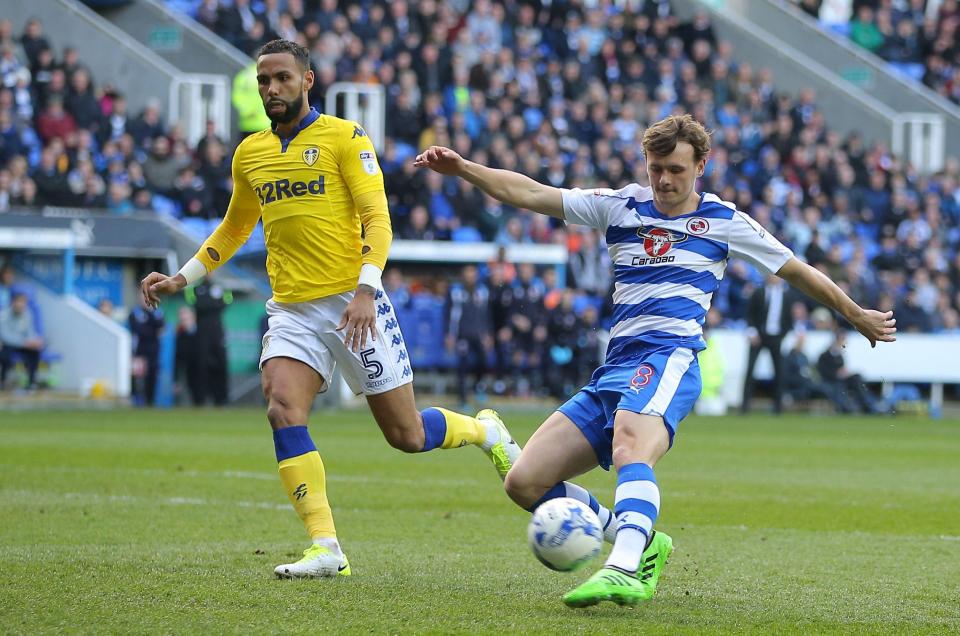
<point>308,332</point>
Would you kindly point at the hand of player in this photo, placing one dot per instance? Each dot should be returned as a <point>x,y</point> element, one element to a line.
<point>440,159</point>
<point>876,326</point>
<point>156,285</point>
<point>359,319</point>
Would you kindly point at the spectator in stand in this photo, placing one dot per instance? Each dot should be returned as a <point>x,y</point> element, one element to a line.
<point>82,103</point>
<point>160,169</point>
<point>19,339</point>
<point>528,324</point>
<point>214,169</point>
<point>469,330</point>
<point>768,317</point>
<point>148,126</point>
<point>33,40</point>
<point>801,380</point>
<point>210,301</point>
<point>188,357</point>
<point>54,121</point>
<point>847,389</point>
<point>146,326</point>
<point>117,123</point>
<point>501,307</point>
<point>561,371</point>
<point>8,286</point>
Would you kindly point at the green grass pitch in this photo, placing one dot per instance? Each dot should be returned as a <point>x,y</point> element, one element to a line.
<point>171,522</point>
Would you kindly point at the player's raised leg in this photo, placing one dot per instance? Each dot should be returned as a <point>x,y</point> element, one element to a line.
<point>414,431</point>
<point>639,441</point>
<point>381,370</point>
<point>289,387</point>
<point>558,451</point>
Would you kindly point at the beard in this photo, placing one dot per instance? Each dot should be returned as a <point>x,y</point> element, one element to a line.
<point>292,109</point>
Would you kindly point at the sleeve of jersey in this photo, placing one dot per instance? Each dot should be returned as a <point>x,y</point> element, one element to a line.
<point>377,233</point>
<point>236,227</point>
<point>750,241</point>
<point>358,161</point>
<point>586,207</point>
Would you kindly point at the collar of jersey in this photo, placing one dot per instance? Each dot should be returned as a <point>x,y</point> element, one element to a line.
<point>654,212</point>
<point>306,121</point>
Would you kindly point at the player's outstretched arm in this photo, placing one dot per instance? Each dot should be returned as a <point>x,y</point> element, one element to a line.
<point>242,216</point>
<point>509,187</point>
<point>876,326</point>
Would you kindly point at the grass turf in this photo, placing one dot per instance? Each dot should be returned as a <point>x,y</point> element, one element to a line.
<point>172,522</point>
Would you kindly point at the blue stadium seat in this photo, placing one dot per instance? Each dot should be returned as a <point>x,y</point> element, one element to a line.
<point>197,228</point>
<point>467,235</point>
<point>913,71</point>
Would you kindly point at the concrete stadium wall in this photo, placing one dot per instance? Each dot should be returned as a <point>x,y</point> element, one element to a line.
<point>92,347</point>
<point>177,38</point>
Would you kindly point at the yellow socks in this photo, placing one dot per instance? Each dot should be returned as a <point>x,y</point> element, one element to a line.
<point>304,480</point>
<point>446,429</point>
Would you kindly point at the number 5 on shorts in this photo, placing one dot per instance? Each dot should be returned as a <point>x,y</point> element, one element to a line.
<point>375,368</point>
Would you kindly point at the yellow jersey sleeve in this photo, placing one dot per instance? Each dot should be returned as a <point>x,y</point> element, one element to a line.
<point>237,225</point>
<point>358,161</point>
<point>377,233</point>
<point>361,172</point>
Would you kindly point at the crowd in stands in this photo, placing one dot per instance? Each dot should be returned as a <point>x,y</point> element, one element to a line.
<point>917,37</point>
<point>66,140</point>
<point>561,91</point>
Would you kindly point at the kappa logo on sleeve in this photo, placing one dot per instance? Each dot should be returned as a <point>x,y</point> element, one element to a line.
<point>369,162</point>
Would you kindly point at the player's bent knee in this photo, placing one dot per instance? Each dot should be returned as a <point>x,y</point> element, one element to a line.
<point>404,440</point>
<point>521,490</point>
<point>630,454</point>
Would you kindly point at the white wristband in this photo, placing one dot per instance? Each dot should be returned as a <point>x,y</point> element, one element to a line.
<point>370,275</point>
<point>193,270</point>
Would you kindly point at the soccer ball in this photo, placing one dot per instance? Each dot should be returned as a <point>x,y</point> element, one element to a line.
<point>565,534</point>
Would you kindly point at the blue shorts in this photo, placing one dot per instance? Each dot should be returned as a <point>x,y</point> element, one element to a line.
<point>661,380</point>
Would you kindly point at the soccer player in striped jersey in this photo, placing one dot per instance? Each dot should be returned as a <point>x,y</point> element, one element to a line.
<point>315,181</point>
<point>669,245</point>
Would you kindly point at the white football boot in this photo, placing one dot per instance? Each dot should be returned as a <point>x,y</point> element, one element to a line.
<point>318,562</point>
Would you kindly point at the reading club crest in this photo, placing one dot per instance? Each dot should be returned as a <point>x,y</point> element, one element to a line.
<point>310,155</point>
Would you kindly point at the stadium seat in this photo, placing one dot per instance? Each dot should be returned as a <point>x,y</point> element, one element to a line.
<point>467,235</point>
<point>197,228</point>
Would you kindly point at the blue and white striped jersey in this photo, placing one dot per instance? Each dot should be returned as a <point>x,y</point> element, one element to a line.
<point>667,268</point>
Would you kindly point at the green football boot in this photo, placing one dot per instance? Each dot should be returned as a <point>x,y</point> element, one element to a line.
<point>608,584</point>
<point>611,584</point>
<point>654,557</point>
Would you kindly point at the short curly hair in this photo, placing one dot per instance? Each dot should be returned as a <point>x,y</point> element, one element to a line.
<point>299,53</point>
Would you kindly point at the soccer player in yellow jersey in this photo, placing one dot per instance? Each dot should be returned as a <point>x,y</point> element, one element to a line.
<point>315,181</point>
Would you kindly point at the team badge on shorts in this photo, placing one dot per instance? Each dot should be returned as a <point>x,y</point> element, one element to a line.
<point>310,155</point>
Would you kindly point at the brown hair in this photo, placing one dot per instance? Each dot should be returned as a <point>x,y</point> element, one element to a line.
<point>662,137</point>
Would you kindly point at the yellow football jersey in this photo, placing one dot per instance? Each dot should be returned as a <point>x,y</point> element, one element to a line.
<point>304,187</point>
